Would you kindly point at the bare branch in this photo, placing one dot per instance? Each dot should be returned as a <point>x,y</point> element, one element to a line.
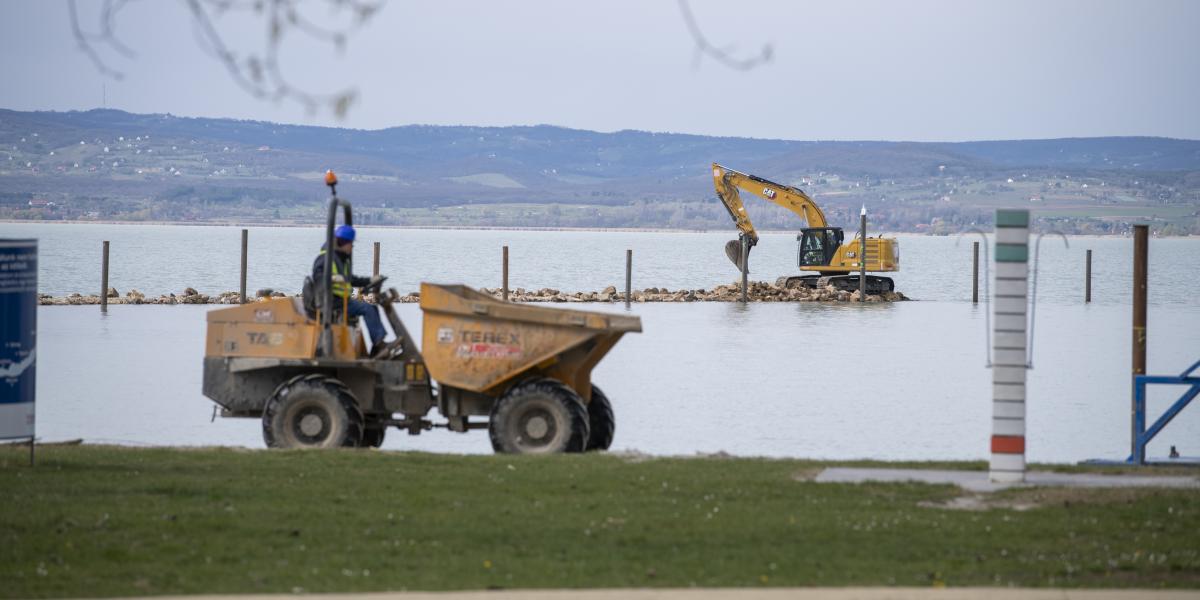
<point>108,16</point>
<point>85,43</point>
<point>258,73</point>
<point>704,47</point>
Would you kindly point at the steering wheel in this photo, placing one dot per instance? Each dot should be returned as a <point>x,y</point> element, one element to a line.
<point>374,287</point>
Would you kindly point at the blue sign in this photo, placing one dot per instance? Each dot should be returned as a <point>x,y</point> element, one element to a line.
<point>18,336</point>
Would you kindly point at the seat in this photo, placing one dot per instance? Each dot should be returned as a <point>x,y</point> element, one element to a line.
<point>310,301</point>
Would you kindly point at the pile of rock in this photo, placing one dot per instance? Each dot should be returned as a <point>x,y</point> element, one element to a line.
<point>759,291</point>
<point>188,296</point>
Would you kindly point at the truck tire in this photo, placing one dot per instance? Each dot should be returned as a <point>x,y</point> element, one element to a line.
<point>373,436</point>
<point>539,417</point>
<point>312,411</point>
<point>601,420</point>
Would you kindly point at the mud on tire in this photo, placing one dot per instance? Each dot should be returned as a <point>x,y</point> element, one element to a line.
<point>312,411</point>
<point>603,423</point>
<point>538,417</point>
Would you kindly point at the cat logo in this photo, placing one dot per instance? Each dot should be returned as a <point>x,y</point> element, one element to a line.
<point>768,192</point>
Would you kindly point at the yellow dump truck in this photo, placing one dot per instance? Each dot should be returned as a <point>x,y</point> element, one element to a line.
<point>523,372</point>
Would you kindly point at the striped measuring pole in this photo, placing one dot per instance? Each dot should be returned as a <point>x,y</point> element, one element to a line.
<point>1009,343</point>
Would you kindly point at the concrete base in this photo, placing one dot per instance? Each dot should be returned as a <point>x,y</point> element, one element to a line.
<point>978,481</point>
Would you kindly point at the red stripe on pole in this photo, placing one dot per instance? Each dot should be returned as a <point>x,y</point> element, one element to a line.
<point>1008,444</point>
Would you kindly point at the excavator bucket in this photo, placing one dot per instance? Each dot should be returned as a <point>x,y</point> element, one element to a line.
<point>733,249</point>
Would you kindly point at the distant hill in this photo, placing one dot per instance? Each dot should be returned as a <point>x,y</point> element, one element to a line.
<point>145,160</point>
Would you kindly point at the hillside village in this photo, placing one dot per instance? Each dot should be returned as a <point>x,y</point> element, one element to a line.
<point>114,166</point>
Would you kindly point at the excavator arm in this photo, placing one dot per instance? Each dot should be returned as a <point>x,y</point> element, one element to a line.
<point>727,182</point>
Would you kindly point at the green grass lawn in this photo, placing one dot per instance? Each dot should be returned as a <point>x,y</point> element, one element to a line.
<point>103,521</point>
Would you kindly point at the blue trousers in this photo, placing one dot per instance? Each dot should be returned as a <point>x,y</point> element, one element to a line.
<point>369,313</point>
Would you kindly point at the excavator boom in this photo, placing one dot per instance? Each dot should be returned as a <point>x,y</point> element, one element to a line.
<point>727,182</point>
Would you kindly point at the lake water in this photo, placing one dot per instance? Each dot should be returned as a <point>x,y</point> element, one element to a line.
<point>157,259</point>
<point>897,381</point>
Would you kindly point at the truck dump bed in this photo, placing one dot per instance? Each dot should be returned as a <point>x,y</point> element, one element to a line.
<point>476,343</point>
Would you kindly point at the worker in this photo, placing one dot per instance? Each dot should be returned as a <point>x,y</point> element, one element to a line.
<point>343,281</point>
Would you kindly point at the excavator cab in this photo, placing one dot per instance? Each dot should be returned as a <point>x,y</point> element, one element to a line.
<point>817,246</point>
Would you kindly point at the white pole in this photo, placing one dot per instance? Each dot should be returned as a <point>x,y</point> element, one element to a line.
<point>1009,344</point>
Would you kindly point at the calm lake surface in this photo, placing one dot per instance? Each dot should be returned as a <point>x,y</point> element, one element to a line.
<point>898,381</point>
<point>157,259</point>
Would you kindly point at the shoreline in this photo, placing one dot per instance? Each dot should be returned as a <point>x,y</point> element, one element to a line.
<point>758,291</point>
<point>296,225</point>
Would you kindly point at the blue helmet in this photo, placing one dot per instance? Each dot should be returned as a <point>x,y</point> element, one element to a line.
<point>344,232</point>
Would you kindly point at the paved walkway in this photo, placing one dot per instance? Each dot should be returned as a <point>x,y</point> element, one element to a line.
<point>977,481</point>
<point>743,594</point>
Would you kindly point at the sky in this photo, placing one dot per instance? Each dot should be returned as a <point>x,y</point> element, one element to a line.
<point>840,70</point>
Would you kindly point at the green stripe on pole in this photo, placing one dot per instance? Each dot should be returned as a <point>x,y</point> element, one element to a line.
<point>1012,253</point>
<point>1012,218</point>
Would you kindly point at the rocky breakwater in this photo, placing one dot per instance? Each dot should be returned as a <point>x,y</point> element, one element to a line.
<point>759,291</point>
<point>187,296</point>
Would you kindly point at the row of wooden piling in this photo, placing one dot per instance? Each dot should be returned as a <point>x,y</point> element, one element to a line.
<point>374,271</point>
<point>1087,294</point>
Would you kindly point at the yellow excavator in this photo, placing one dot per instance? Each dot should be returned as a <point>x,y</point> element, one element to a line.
<point>821,248</point>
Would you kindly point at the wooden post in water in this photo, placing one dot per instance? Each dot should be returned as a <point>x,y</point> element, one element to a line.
<point>245,247</point>
<point>628,276</point>
<point>975,275</point>
<point>745,267</point>
<point>862,257</point>
<point>375,261</point>
<point>104,278</point>
<point>505,274</point>
<point>1087,280</point>
<point>1140,258</point>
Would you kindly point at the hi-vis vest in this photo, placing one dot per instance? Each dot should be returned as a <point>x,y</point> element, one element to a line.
<point>340,289</point>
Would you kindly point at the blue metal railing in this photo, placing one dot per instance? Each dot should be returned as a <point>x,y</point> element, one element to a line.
<point>1142,435</point>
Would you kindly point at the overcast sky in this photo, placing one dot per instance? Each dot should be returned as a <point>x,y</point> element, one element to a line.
<point>931,70</point>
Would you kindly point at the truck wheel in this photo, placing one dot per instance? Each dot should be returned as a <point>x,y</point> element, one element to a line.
<point>373,436</point>
<point>538,417</point>
<point>313,411</point>
<point>603,423</point>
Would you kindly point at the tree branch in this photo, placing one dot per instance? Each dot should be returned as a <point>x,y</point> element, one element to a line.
<point>704,47</point>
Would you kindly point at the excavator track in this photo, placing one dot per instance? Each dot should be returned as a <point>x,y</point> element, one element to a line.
<point>846,283</point>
